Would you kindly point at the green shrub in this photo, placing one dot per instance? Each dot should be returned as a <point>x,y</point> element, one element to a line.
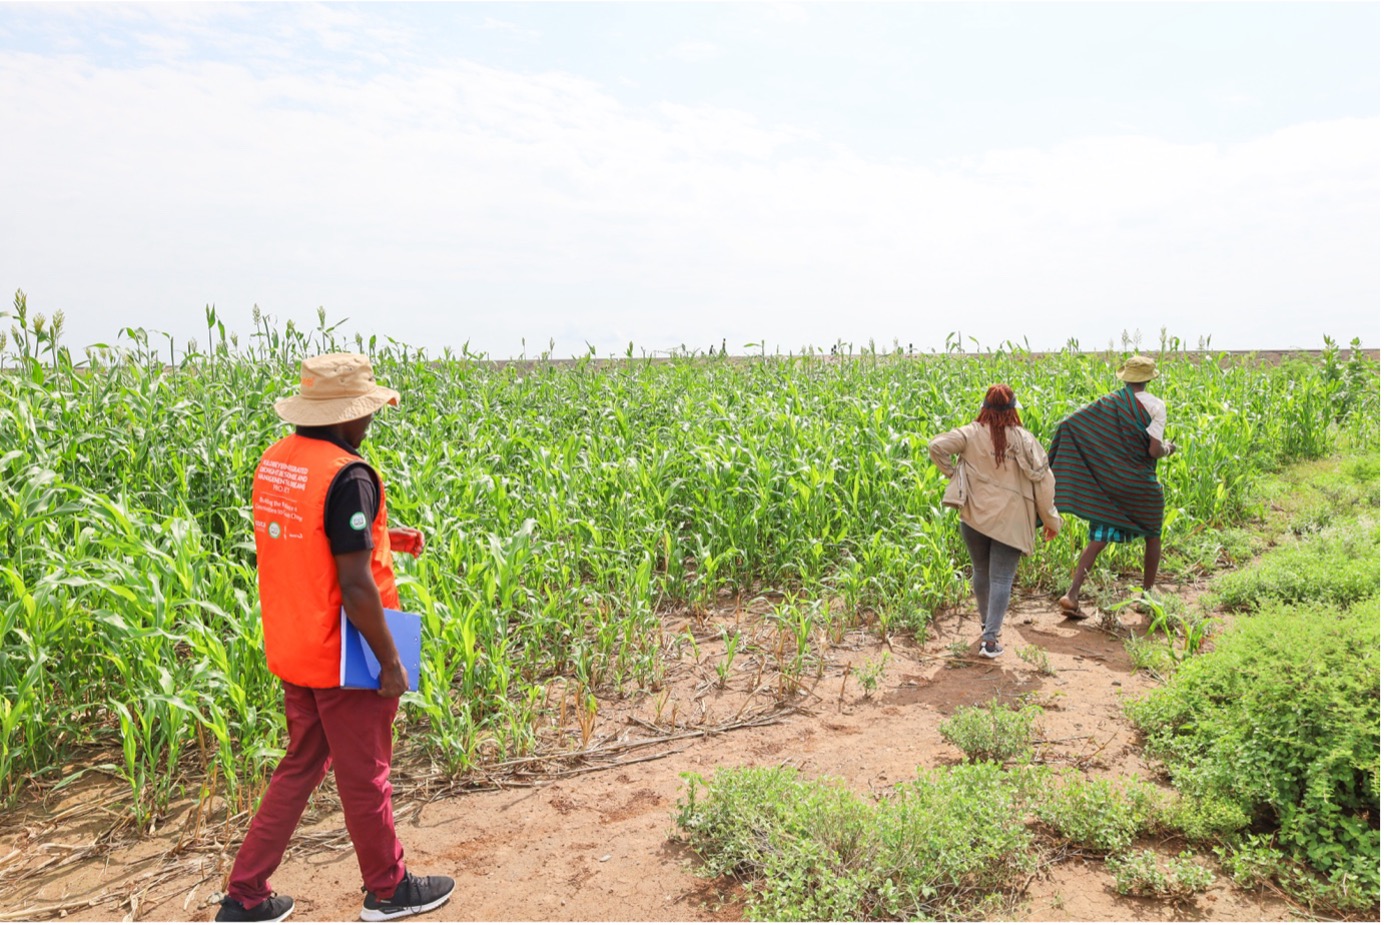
<point>819,864</point>
<point>1203,819</point>
<point>807,882</point>
<point>1140,873</point>
<point>954,841</point>
<point>1097,814</point>
<point>994,732</point>
<point>1282,721</point>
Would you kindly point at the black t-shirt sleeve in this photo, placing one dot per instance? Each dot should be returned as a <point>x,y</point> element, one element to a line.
<point>352,503</point>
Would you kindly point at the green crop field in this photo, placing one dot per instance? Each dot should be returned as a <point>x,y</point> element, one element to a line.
<point>568,506</point>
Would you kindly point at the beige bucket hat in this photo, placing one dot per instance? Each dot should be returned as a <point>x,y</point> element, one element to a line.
<point>1138,369</point>
<point>335,388</point>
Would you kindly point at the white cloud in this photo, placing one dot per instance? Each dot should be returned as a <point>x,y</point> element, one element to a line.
<point>439,205</point>
<point>1230,97</point>
<point>785,12</point>
<point>694,51</point>
<point>500,25</point>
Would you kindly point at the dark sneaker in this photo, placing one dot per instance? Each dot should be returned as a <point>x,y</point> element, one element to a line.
<point>412,896</point>
<point>990,649</point>
<point>274,909</point>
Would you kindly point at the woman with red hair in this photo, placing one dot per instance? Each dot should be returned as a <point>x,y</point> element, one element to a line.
<point>1002,486</point>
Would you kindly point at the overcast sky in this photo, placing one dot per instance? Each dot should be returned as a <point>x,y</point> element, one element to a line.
<point>666,174</point>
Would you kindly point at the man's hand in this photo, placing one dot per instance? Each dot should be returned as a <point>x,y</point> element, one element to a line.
<point>1049,534</point>
<point>406,539</point>
<point>393,680</point>
<point>360,598</point>
<point>1161,449</point>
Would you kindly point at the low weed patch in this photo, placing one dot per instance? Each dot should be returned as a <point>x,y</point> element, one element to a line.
<point>1037,656</point>
<point>1255,860</point>
<point>1309,496</point>
<point>1141,873</point>
<point>1213,548</point>
<point>1150,655</point>
<point>955,843</point>
<point>949,845</point>
<point>1335,567</point>
<point>741,822</point>
<point>1182,631</point>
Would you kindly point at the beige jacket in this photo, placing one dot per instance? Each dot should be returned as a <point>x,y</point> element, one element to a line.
<point>1001,502</point>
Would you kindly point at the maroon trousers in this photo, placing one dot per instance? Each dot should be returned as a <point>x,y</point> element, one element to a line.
<point>350,731</point>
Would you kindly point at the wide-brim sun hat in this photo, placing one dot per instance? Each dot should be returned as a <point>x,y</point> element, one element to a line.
<point>334,388</point>
<point>1138,369</point>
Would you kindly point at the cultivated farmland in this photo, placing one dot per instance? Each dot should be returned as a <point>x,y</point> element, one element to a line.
<point>587,522</point>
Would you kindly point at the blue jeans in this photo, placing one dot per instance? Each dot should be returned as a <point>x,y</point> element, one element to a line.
<point>993,565</point>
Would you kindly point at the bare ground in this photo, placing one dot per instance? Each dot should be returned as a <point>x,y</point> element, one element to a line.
<point>590,837</point>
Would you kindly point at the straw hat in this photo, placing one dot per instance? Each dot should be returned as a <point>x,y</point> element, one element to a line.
<point>1138,369</point>
<point>335,388</point>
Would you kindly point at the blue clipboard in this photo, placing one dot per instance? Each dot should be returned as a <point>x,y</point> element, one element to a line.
<point>359,667</point>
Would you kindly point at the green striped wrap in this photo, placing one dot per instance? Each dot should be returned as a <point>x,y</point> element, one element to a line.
<point>1100,459</point>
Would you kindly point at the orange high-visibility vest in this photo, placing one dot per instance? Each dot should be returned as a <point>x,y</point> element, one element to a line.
<point>300,595</point>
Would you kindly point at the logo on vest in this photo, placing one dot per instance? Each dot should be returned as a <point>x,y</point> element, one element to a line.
<point>275,529</point>
<point>358,520</point>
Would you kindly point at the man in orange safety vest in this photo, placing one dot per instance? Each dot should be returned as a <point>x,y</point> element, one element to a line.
<point>323,545</point>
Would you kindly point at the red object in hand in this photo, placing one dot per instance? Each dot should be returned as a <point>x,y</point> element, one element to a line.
<point>406,539</point>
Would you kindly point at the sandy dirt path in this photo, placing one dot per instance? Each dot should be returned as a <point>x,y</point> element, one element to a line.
<point>601,846</point>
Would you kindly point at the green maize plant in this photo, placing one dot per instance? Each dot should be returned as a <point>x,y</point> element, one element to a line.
<point>571,508</point>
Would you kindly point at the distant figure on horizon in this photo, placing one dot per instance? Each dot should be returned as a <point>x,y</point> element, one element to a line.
<point>1001,483</point>
<point>1105,458</point>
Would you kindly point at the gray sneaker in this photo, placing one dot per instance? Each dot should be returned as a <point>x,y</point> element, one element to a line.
<point>412,896</point>
<point>990,649</point>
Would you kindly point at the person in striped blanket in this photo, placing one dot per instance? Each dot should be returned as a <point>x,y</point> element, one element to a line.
<point>1105,458</point>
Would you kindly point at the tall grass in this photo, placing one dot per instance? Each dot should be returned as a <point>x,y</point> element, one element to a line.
<point>567,506</point>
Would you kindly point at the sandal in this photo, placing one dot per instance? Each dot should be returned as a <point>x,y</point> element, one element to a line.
<point>1070,610</point>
